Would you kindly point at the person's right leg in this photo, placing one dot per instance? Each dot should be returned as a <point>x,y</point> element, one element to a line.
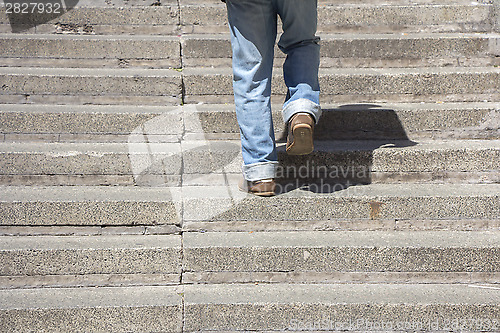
<point>253,35</point>
<point>301,46</point>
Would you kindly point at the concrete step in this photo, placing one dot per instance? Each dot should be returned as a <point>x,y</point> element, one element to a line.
<point>365,50</point>
<point>205,207</point>
<point>263,307</point>
<point>39,50</point>
<point>81,255</point>
<point>332,162</point>
<point>229,257</point>
<point>104,123</point>
<point>341,251</point>
<point>334,17</point>
<point>101,123</point>
<point>375,201</point>
<point>155,86</point>
<point>88,206</point>
<point>214,85</point>
<point>98,18</point>
<point>334,308</point>
<point>367,121</point>
<point>210,17</point>
<point>90,85</point>
<point>339,50</point>
<point>116,309</point>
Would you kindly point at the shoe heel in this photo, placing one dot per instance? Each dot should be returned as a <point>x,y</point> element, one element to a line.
<point>302,141</point>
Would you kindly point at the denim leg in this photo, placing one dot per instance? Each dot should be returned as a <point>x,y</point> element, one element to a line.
<point>301,46</point>
<point>253,35</point>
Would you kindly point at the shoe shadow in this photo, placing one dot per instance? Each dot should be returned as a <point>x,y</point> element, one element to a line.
<point>345,141</point>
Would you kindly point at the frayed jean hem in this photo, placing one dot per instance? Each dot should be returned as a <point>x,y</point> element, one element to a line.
<point>301,105</point>
<point>258,171</point>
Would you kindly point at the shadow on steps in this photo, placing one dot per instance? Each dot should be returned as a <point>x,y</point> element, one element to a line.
<point>345,139</point>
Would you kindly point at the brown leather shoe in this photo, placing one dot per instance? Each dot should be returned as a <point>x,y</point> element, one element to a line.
<point>263,188</point>
<point>300,134</point>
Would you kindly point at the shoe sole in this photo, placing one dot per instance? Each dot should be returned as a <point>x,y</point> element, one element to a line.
<point>263,194</point>
<point>260,194</point>
<point>302,140</point>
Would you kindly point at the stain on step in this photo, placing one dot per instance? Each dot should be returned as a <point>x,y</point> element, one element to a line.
<point>376,210</point>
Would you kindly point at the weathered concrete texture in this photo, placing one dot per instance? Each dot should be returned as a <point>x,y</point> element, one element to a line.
<point>496,15</point>
<point>370,121</point>
<point>154,206</point>
<point>397,156</point>
<point>62,255</point>
<point>401,84</point>
<point>88,280</point>
<point>162,63</point>
<point>101,15</point>
<point>166,229</point>
<point>116,309</point>
<point>340,277</point>
<point>330,202</point>
<point>337,251</point>
<point>89,99</point>
<point>91,47</point>
<point>280,307</point>
<point>358,161</point>
<point>332,160</point>
<point>91,158</point>
<point>107,123</point>
<point>78,81</point>
<point>123,3</point>
<point>91,119</point>
<point>212,157</point>
<point>375,46</point>
<point>74,180</point>
<point>162,29</point>
<point>203,17</point>
<point>441,16</point>
<point>87,206</point>
<point>335,17</point>
<point>345,225</point>
<point>196,18</point>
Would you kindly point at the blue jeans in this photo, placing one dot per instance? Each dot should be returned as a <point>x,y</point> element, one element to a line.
<point>253,36</point>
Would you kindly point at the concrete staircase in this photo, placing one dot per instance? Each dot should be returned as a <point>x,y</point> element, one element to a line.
<point>119,158</point>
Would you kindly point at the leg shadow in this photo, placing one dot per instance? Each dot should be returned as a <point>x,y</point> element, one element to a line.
<point>345,140</point>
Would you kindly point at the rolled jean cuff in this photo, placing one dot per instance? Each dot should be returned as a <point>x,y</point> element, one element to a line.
<point>258,171</point>
<point>301,105</point>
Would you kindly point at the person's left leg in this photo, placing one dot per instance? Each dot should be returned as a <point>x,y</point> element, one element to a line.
<point>253,35</point>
